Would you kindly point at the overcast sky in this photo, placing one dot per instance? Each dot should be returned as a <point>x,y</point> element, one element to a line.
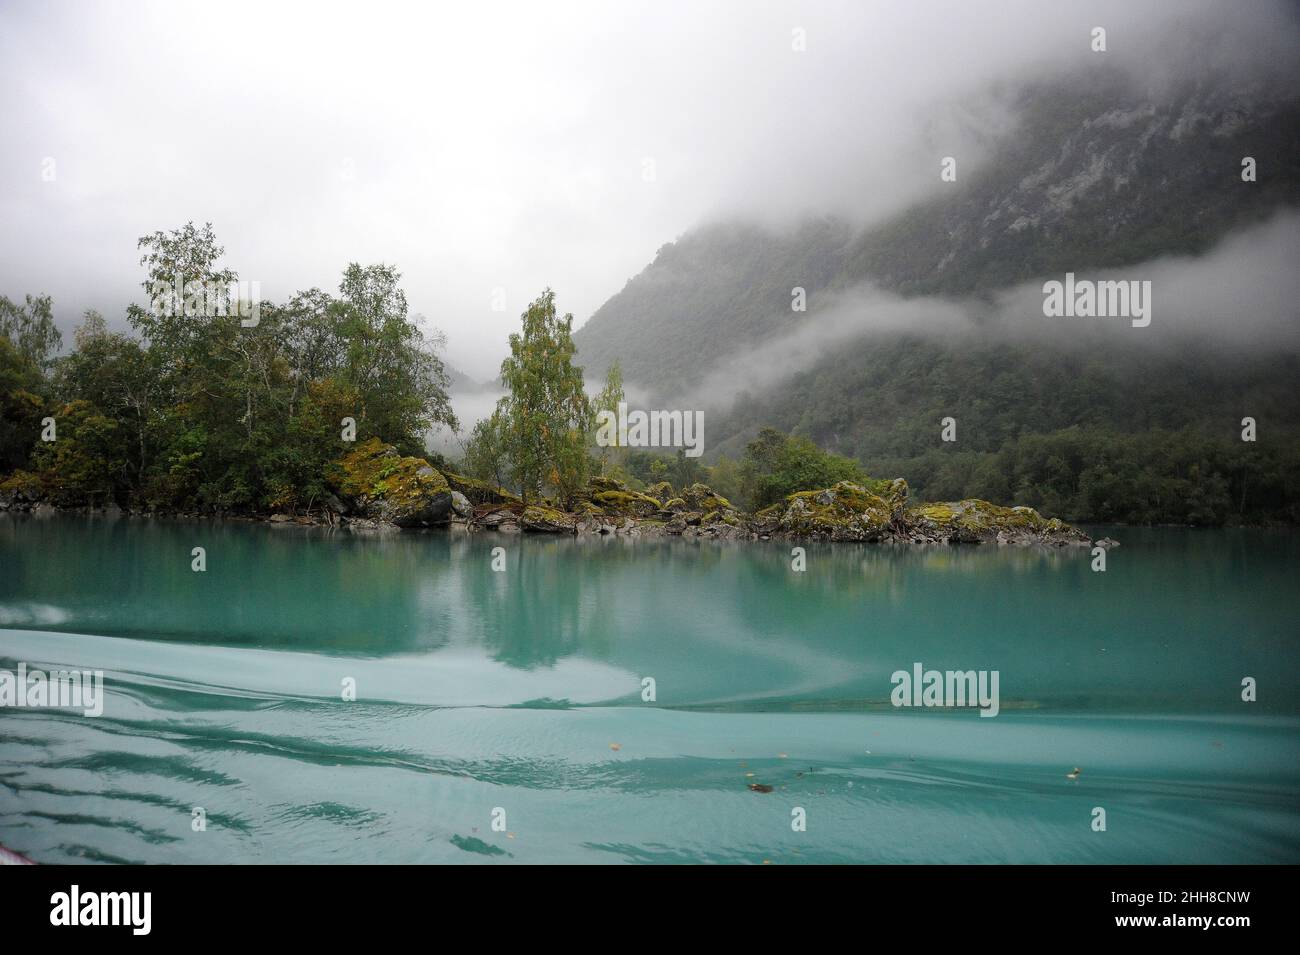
<point>485,145</point>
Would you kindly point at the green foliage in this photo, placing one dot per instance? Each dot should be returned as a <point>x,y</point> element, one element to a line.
<point>487,456</point>
<point>21,406</point>
<point>1099,474</point>
<point>777,465</point>
<point>204,412</point>
<point>183,259</point>
<point>30,328</point>
<point>85,464</point>
<point>388,360</point>
<point>608,400</point>
<point>642,468</point>
<point>725,477</point>
<point>545,417</point>
<point>117,375</point>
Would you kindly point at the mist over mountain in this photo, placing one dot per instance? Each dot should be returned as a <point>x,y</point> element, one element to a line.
<point>1101,170</point>
<point>1129,173</point>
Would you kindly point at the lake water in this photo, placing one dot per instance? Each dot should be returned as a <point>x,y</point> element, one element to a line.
<point>518,696</point>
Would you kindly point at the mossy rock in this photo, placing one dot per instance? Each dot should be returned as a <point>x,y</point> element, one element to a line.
<point>676,505</point>
<point>480,492</point>
<point>701,497</point>
<point>382,484</point>
<point>896,492</point>
<point>977,520</point>
<point>632,503</point>
<point>730,518</point>
<point>600,484</point>
<point>21,486</point>
<point>662,492</point>
<point>847,512</point>
<point>547,520</point>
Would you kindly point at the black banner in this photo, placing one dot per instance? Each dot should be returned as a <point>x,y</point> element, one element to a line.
<point>333,904</point>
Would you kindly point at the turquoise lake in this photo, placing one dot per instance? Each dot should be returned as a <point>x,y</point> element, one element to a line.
<point>518,696</point>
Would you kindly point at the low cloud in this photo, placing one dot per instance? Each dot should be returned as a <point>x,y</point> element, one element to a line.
<point>1240,298</point>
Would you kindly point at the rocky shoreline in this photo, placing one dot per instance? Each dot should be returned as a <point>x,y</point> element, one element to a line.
<point>376,488</point>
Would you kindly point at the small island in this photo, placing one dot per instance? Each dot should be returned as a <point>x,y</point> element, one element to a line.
<point>377,486</point>
<point>318,411</point>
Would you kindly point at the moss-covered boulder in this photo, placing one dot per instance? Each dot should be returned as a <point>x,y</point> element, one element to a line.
<point>480,492</point>
<point>547,520</point>
<point>845,512</point>
<point>730,518</point>
<point>380,483</point>
<point>599,483</point>
<point>616,498</point>
<point>974,521</point>
<point>701,497</point>
<point>20,490</point>
<point>895,493</point>
<point>627,503</point>
<point>662,492</point>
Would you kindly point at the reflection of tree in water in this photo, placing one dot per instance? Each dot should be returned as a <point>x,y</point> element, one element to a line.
<point>878,593</point>
<point>283,587</point>
<point>557,597</point>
